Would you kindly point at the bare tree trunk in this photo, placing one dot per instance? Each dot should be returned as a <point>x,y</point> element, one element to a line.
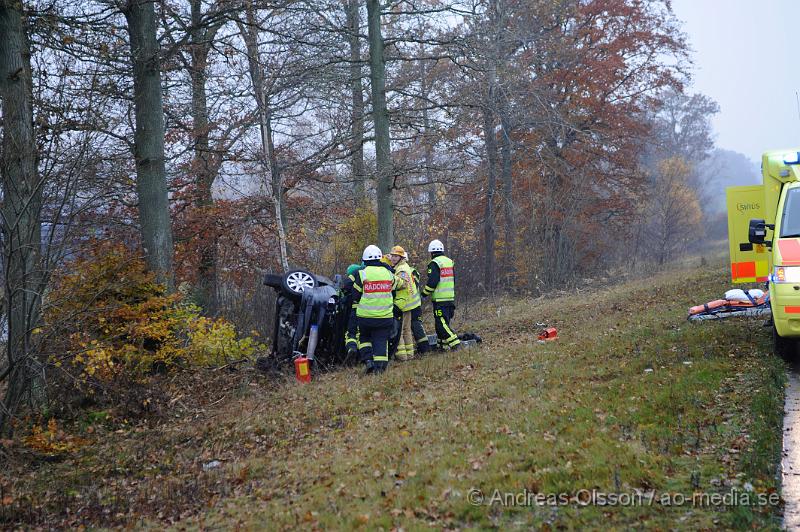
<point>380,116</point>
<point>205,167</point>
<point>428,140</point>
<point>506,155</point>
<point>490,142</point>
<point>249,32</point>
<point>265,118</point>
<point>357,89</point>
<point>21,209</point>
<point>491,184</point>
<point>151,177</point>
<point>430,183</point>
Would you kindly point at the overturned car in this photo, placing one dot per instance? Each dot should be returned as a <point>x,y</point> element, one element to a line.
<point>310,317</point>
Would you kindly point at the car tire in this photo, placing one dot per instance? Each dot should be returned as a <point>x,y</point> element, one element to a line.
<point>294,282</point>
<point>274,281</point>
<point>786,348</point>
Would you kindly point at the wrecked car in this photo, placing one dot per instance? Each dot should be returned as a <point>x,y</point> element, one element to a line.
<point>310,317</point>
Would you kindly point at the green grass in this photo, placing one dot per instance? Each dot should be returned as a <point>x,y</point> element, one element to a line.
<point>630,399</point>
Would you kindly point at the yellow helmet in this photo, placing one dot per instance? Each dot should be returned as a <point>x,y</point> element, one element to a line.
<point>399,251</point>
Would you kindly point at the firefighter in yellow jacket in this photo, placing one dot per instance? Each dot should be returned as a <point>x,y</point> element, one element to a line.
<point>406,300</point>
<point>373,293</point>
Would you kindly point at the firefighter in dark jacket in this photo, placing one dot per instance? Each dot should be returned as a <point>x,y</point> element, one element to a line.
<point>442,289</point>
<point>373,293</point>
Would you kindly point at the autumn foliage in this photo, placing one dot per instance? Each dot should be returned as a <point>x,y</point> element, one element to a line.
<point>52,441</point>
<point>111,323</point>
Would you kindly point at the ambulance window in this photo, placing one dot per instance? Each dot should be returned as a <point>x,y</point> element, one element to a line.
<point>790,221</point>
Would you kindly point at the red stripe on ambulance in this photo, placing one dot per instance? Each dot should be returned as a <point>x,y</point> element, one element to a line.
<point>743,269</point>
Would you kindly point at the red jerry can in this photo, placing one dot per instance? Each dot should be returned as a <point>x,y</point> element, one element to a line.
<point>551,333</point>
<point>302,369</point>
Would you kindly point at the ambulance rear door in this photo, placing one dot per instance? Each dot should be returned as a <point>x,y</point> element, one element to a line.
<point>753,263</point>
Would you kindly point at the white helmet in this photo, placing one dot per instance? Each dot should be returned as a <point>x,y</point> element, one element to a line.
<point>372,253</point>
<point>435,246</point>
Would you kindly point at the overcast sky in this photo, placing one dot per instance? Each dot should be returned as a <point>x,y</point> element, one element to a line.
<point>746,58</point>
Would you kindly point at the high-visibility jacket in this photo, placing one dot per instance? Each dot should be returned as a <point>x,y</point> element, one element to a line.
<point>446,287</point>
<point>376,286</point>
<point>407,297</point>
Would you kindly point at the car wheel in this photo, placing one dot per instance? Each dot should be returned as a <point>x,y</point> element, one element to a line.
<point>785,348</point>
<point>295,282</point>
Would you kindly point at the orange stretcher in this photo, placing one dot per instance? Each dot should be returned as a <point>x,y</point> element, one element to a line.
<point>752,307</point>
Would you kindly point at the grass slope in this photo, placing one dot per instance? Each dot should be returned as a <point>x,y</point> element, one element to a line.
<point>410,448</point>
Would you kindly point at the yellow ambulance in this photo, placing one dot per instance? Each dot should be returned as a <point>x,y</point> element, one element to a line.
<point>764,240</point>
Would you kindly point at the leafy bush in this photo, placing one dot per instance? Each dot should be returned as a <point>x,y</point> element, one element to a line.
<point>108,320</point>
<point>52,441</point>
<point>213,342</point>
<point>352,235</point>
